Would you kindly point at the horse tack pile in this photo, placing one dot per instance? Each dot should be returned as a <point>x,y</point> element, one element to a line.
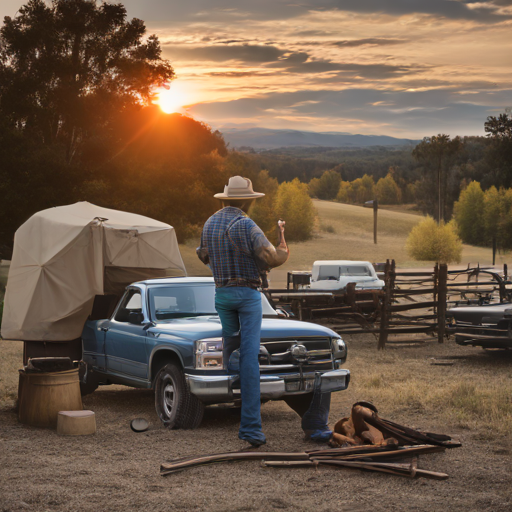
<point>364,441</point>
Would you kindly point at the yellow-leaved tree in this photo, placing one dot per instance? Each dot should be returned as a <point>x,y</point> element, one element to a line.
<point>294,205</point>
<point>429,241</point>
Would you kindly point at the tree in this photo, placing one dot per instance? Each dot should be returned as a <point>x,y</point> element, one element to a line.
<point>343,192</point>
<point>263,212</point>
<point>294,205</point>
<point>437,154</point>
<point>387,191</point>
<point>362,190</point>
<point>469,215</point>
<point>325,187</point>
<point>66,69</point>
<point>499,131</point>
<point>498,217</point>
<point>429,241</point>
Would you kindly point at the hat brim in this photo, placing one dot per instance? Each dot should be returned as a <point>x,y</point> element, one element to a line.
<point>256,195</point>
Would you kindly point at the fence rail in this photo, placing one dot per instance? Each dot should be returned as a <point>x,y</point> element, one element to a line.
<point>384,313</point>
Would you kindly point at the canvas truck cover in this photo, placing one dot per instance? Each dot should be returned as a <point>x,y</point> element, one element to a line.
<point>63,257</point>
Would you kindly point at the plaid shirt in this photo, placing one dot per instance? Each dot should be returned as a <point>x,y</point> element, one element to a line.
<point>236,249</point>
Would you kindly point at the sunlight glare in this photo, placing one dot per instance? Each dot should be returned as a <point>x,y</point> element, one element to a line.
<point>171,100</point>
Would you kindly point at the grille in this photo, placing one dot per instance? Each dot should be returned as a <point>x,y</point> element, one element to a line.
<point>278,358</point>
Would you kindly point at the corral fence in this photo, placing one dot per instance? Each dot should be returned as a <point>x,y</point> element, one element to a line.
<point>411,308</point>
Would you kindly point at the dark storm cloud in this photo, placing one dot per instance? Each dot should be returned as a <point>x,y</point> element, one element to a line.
<point>223,53</point>
<point>223,10</point>
<point>372,41</point>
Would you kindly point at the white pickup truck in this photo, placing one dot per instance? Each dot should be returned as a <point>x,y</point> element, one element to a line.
<point>336,274</point>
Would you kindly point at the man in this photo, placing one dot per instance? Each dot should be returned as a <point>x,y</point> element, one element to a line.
<point>239,256</point>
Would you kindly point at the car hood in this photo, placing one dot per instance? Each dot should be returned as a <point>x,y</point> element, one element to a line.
<point>361,282</point>
<point>196,328</point>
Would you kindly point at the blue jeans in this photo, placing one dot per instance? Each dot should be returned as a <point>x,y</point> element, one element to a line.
<point>240,314</point>
<point>314,412</point>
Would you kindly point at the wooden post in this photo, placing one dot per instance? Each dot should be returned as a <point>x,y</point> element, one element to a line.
<point>350,295</point>
<point>441,307</point>
<point>494,250</point>
<point>436,282</point>
<point>375,210</point>
<point>384,318</point>
<point>505,271</point>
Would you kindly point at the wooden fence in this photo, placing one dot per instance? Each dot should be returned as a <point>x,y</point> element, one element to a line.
<point>411,308</point>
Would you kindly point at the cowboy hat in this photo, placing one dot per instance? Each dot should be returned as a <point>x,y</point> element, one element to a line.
<point>238,188</point>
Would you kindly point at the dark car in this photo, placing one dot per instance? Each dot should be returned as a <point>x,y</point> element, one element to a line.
<point>165,334</point>
<point>488,325</point>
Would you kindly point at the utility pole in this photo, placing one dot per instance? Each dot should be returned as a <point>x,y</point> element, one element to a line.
<point>375,205</point>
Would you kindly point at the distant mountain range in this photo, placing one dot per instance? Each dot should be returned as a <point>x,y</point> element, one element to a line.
<point>264,138</point>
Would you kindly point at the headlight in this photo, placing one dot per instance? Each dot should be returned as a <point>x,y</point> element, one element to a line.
<point>209,354</point>
<point>339,349</point>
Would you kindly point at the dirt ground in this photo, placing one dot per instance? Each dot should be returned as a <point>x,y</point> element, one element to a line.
<point>118,470</point>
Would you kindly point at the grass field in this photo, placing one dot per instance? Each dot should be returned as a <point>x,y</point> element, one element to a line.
<point>346,232</point>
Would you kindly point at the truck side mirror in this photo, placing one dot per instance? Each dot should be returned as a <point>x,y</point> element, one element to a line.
<point>135,317</point>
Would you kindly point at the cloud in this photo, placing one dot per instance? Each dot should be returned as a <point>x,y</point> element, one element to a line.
<point>177,11</point>
<point>417,114</point>
<point>372,41</point>
<point>237,74</point>
<point>223,53</point>
<point>300,62</point>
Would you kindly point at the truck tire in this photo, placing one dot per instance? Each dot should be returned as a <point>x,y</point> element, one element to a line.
<point>91,381</point>
<point>175,405</point>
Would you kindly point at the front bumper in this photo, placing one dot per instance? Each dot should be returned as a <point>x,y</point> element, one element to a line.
<point>226,388</point>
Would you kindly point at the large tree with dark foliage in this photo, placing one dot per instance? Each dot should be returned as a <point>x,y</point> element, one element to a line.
<point>68,67</point>
<point>76,121</point>
<point>499,131</point>
<point>438,188</point>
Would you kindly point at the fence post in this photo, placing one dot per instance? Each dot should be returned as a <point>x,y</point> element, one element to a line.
<point>384,318</point>
<point>441,306</point>
<point>436,282</point>
<point>350,295</point>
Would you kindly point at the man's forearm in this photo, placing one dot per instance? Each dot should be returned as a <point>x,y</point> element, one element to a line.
<point>273,257</point>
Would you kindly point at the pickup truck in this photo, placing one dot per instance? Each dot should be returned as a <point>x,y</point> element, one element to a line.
<point>336,274</point>
<point>165,334</point>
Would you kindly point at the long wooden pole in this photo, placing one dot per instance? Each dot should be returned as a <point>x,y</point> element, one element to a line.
<point>441,307</point>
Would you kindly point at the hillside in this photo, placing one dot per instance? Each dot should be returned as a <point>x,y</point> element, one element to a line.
<point>353,240</point>
<point>264,138</point>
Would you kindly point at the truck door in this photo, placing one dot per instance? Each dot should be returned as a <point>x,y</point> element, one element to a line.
<point>125,339</point>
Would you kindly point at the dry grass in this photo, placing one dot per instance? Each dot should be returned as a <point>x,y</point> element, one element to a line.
<point>475,393</point>
<point>10,361</point>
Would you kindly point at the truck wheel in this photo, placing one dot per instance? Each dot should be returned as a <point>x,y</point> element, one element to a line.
<point>91,382</point>
<point>175,405</point>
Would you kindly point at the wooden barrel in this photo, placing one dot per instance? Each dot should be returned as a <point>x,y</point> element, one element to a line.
<point>43,395</point>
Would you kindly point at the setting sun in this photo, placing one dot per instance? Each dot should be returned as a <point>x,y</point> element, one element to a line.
<point>171,100</point>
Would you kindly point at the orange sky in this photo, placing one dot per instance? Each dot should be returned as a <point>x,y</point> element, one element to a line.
<point>386,67</point>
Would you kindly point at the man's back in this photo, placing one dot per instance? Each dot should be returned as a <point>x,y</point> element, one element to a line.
<point>237,250</point>
<point>227,238</point>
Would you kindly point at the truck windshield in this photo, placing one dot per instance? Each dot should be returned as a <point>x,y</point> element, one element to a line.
<point>167,302</point>
<point>334,272</point>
